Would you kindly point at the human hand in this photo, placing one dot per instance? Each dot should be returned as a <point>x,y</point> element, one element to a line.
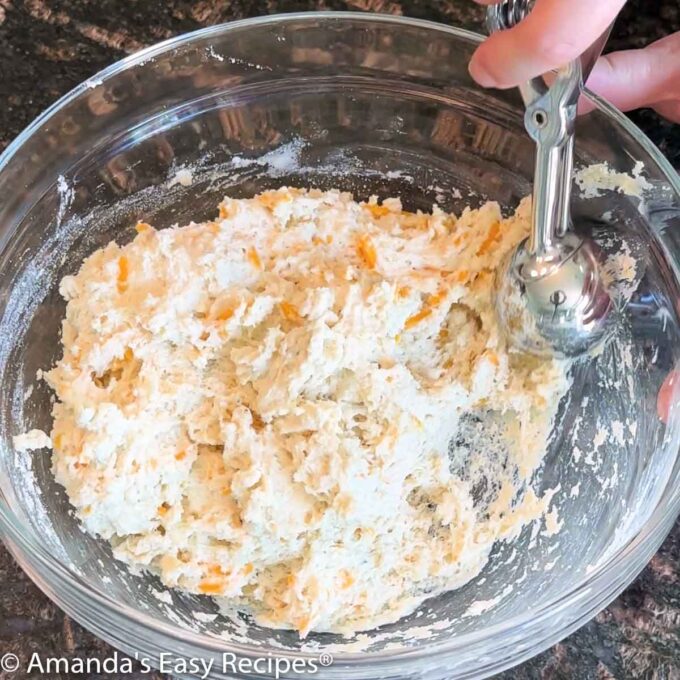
<point>666,401</point>
<point>557,31</point>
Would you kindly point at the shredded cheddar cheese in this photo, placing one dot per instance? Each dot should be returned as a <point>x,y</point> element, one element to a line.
<point>289,312</point>
<point>417,318</point>
<point>123,271</point>
<point>377,210</point>
<point>366,251</point>
<point>491,238</point>
<point>254,258</point>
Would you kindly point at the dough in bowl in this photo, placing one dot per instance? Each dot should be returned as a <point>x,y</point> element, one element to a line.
<point>305,407</point>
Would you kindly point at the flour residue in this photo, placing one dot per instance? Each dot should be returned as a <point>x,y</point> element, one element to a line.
<point>183,177</point>
<point>66,195</point>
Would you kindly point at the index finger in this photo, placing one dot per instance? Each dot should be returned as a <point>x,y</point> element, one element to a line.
<point>554,33</point>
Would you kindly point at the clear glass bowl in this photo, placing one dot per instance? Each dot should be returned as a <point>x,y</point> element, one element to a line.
<point>371,104</point>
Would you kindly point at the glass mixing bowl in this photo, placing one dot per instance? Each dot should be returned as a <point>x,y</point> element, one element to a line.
<point>375,105</point>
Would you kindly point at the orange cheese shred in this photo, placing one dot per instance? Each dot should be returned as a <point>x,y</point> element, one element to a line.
<point>289,312</point>
<point>211,587</point>
<point>254,258</point>
<point>417,318</point>
<point>123,272</point>
<point>225,314</point>
<point>366,252</point>
<point>491,238</point>
<point>435,299</point>
<point>377,210</point>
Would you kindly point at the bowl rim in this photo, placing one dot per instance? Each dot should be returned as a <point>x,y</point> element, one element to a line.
<point>593,593</point>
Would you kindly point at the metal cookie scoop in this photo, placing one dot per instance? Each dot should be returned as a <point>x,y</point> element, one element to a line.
<point>550,296</point>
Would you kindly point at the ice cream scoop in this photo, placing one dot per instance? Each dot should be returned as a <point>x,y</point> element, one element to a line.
<point>551,298</point>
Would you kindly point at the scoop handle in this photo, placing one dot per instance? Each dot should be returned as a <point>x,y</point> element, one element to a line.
<point>550,119</point>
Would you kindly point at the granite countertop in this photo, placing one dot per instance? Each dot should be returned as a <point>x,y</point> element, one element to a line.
<point>49,46</point>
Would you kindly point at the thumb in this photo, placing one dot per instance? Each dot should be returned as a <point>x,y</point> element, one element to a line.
<point>647,77</point>
<point>554,32</point>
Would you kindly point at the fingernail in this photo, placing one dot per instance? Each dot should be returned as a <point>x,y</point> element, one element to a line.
<point>480,74</point>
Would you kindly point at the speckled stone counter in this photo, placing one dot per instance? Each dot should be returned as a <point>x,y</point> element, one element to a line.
<point>49,46</point>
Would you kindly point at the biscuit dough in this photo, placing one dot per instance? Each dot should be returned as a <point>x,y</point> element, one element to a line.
<point>293,407</point>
